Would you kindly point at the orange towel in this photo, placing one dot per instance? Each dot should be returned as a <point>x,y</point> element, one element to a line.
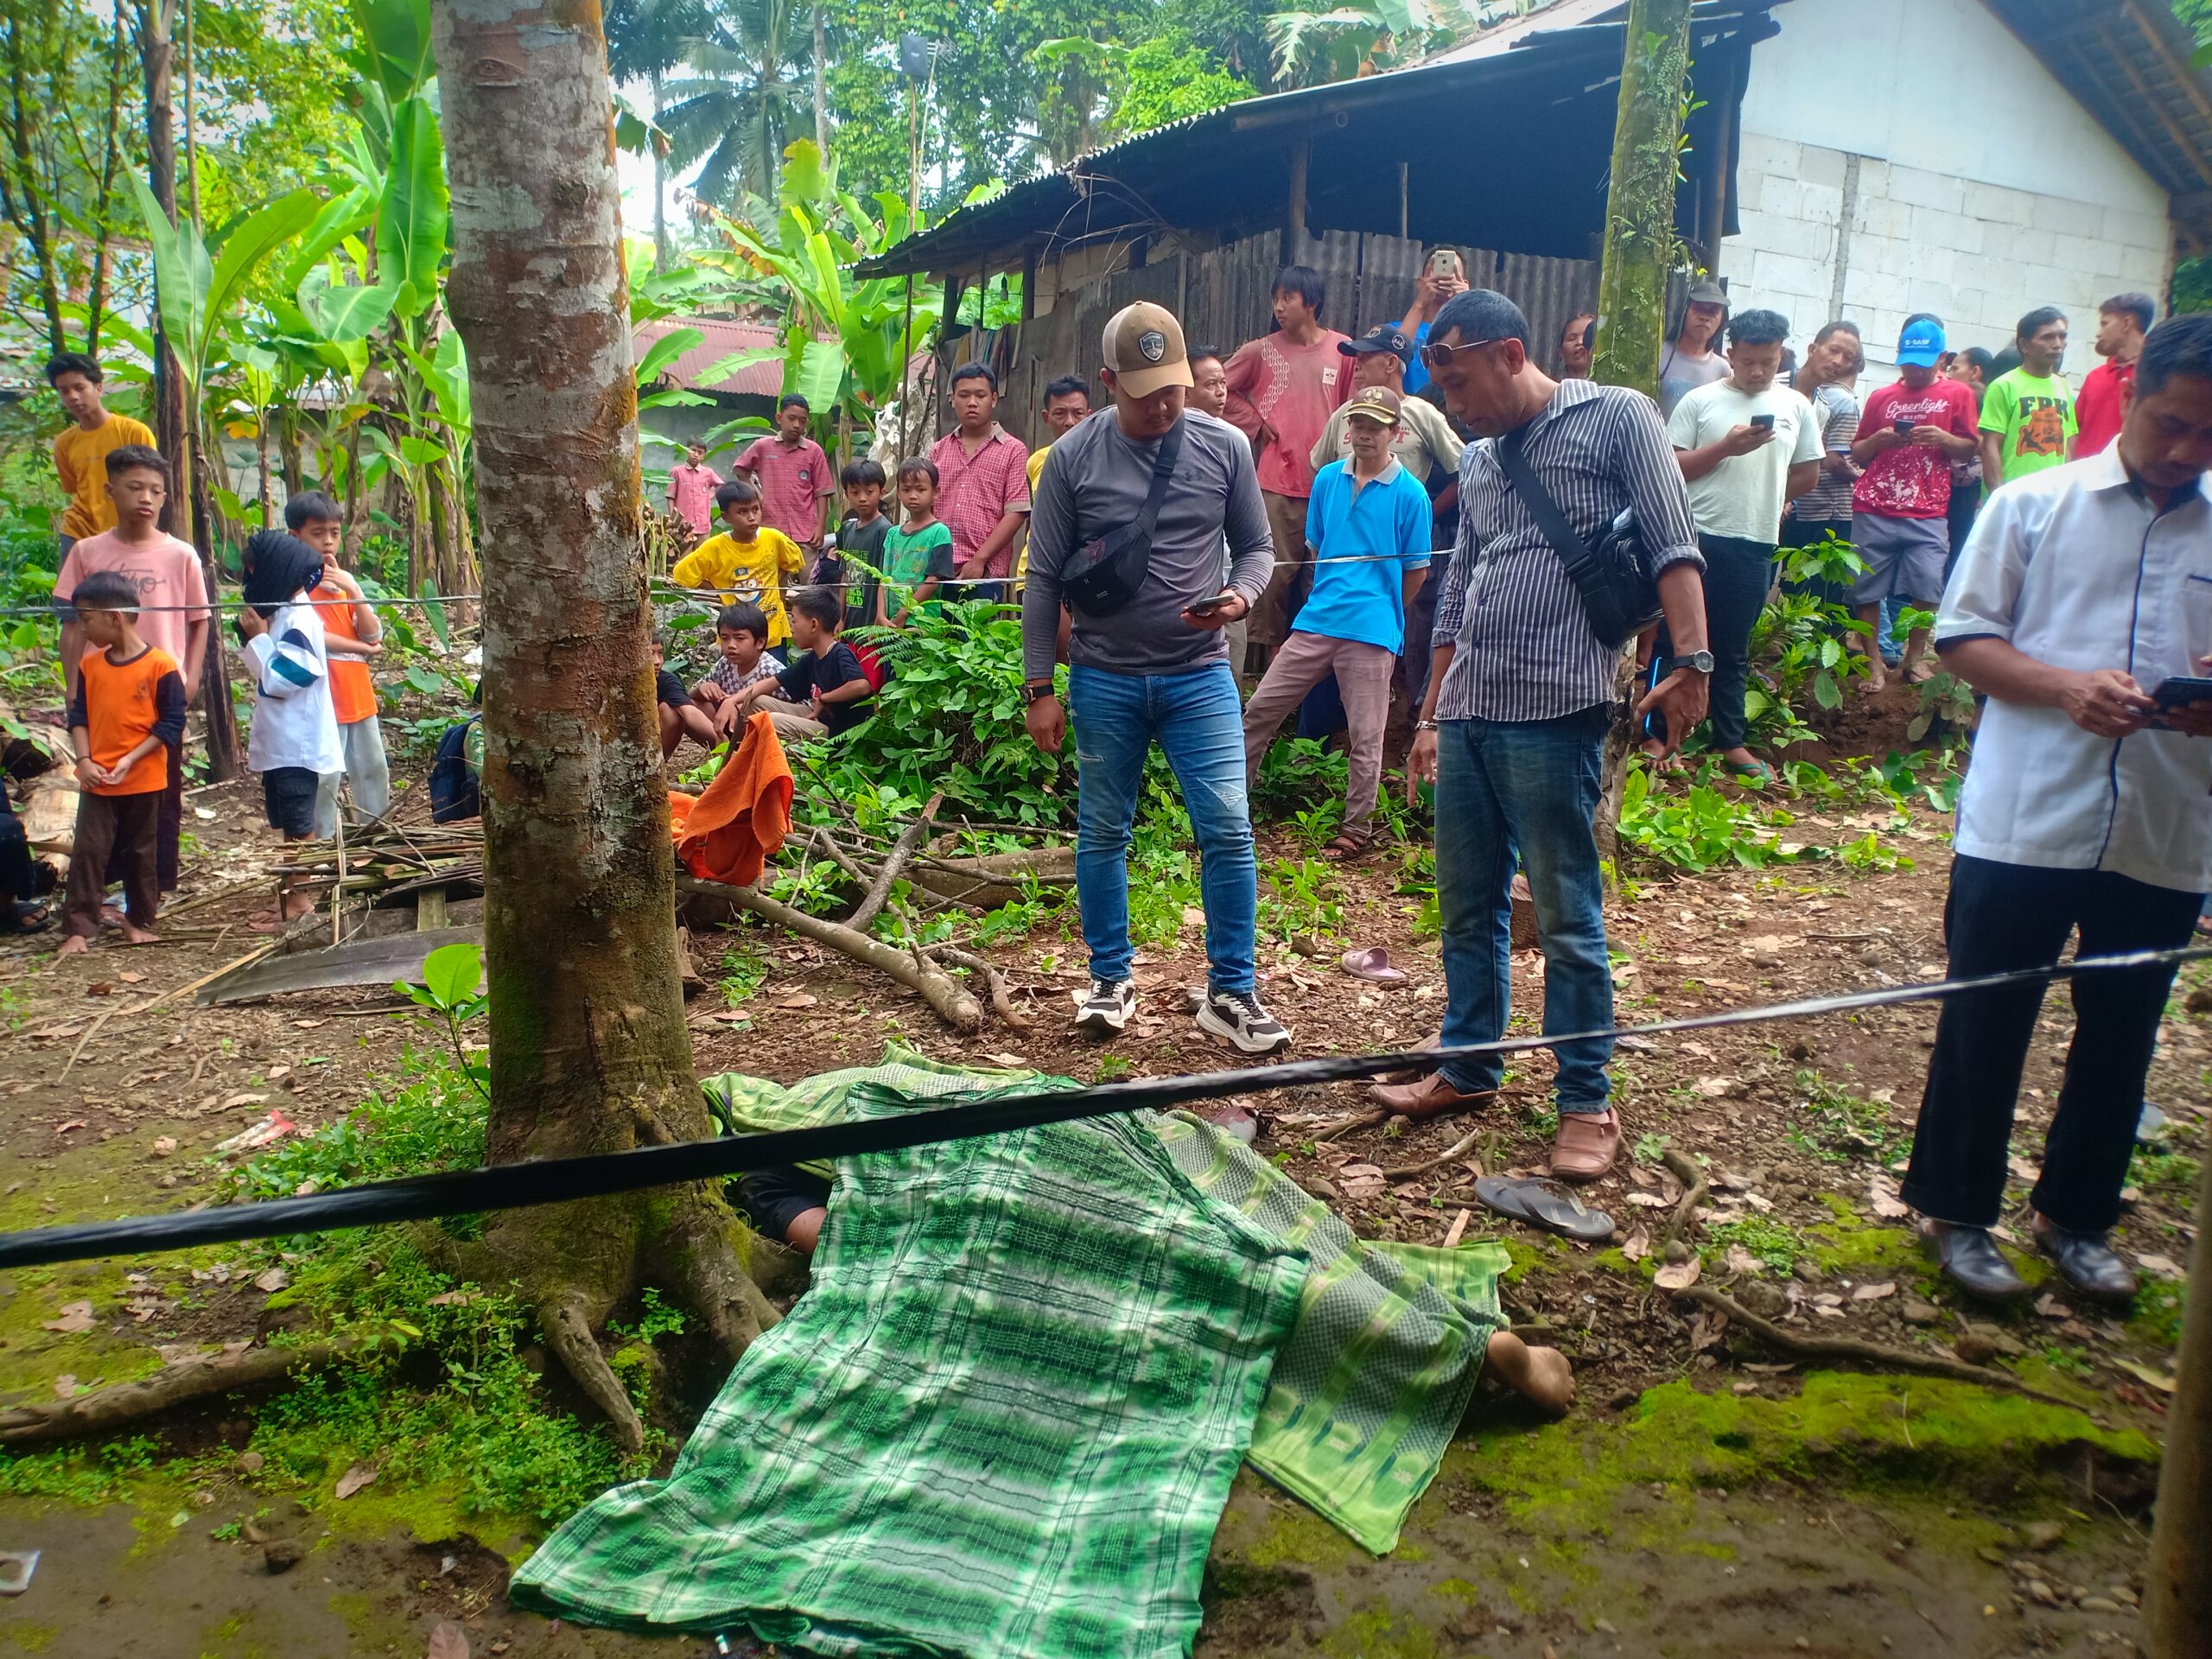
<point>740,821</point>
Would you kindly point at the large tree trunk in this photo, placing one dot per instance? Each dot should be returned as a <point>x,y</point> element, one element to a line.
<point>172,425</point>
<point>588,1049</point>
<point>2178,1590</point>
<point>1632,282</point>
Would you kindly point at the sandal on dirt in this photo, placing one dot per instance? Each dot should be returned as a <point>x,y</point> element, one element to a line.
<point>1758,773</point>
<point>1344,848</point>
<point>27,915</point>
<point>1373,963</point>
<point>1545,1205</point>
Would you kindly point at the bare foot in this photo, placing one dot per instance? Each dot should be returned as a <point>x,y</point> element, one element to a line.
<point>1876,679</point>
<point>135,935</point>
<point>297,904</point>
<point>1542,1375</point>
<point>75,945</point>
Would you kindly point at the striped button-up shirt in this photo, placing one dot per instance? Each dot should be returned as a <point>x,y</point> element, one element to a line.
<point>1525,650</point>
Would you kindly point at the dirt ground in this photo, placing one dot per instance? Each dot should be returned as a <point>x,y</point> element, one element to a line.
<point>1704,1496</point>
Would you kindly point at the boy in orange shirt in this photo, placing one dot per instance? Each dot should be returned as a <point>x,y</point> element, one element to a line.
<point>127,713</point>
<point>352,634</point>
<point>79,451</point>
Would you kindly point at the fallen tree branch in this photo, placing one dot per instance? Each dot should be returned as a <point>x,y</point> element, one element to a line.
<point>103,1409</point>
<point>1406,1172</point>
<point>901,850</point>
<point>1696,1190</point>
<point>1866,1353</point>
<point>952,1003</point>
<point>1359,1121</point>
<point>1001,997</point>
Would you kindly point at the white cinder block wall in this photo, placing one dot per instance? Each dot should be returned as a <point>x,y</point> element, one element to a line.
<point>1903,155</point>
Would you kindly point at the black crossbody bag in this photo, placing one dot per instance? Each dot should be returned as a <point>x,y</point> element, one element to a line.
<point>1619,589</point>
<point>1106,572</point>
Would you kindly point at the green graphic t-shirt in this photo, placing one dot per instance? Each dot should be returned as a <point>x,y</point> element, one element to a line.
<point>2032,417</point>
<point>910,558</point>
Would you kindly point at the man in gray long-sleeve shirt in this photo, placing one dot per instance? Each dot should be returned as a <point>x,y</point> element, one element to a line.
<point>1156,668</point>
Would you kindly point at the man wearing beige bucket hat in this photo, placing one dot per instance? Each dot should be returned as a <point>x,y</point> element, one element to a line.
<point>1126,530</point>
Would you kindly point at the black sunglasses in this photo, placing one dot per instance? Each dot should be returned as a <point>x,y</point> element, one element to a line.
<point>1436,357</point>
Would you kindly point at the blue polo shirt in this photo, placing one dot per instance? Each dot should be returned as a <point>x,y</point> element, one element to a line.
<point>1385,528</point>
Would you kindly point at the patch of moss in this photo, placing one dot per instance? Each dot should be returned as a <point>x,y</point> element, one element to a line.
<point>1912,1435</point>
<point>2156,1319</point>
<point>1377,1633</point>
<point>29,1639</point>
<point>1293,1535</point>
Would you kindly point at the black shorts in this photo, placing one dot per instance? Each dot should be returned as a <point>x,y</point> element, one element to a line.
<point>779,1195</point>
<point>288,792</point>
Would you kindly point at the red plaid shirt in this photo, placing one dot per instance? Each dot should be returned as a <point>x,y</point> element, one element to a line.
<point>975,492</point>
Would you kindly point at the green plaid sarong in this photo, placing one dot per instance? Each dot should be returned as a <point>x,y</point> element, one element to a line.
<point>1002,1421</point>
<point>1366,1393</point>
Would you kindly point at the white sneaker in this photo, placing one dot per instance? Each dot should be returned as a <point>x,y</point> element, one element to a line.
<point>1107,1007</point>
<point>1239,1016</point>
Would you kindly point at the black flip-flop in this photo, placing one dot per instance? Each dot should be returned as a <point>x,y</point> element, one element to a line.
<point>1545,1205</point>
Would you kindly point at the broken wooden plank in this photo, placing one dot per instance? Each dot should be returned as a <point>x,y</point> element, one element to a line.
<point>429,909</point>
<point>361,962</point>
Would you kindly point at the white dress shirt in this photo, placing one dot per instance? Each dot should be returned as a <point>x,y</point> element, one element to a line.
<point>2076,568</point>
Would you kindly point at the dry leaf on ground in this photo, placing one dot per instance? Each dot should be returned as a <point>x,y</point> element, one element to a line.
<point>1873,1293</point>
<point>354,1478</point>
<point>447,1641</point>
<point>1636,1246</point>
<point>75,1317</point>
<point>1677,1275</point>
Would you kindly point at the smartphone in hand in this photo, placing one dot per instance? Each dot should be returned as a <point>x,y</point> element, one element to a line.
<point>1207,607</point>
<point>1764,422</point>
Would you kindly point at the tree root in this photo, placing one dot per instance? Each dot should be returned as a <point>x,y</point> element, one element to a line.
<point>952,1003</point>
<point>568,1335</point>
<point>1696,1190</point>
<point>694,1250</point>
<point>1876,1354</point>
<point>1001,997</point>
<point>1406,1172</point>
<point>1358,1121</point>
<point>103,1409</point>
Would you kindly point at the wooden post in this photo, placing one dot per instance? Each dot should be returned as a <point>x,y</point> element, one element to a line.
<point>1633,281</point>
<point>1405,203</point>
<point>2177,1590</point>
<point>1301,156</point>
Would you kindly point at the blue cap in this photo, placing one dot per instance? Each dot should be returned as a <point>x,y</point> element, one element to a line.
<point>1922,345</point>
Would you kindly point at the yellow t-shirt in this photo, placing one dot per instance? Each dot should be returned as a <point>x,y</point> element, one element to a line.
<point>755,569</point>
<point>81,458</point>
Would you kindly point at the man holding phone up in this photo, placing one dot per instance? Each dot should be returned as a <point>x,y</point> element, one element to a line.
<point>1747,446</point>
<point>2083,606</point>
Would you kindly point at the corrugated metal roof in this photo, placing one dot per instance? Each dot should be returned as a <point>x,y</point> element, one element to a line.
<point>723,337</point>
<point>1574,43</point>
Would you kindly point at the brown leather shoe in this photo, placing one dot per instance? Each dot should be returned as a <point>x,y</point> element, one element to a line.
<point>1587,1144</point>
<point>1431,1097</point>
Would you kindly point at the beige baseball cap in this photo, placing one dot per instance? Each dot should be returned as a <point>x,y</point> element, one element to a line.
<point>1377,403</point>
<point>1143,346</point>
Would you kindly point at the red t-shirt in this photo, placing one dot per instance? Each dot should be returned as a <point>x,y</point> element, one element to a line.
<point>1913,481</point>
<point>1294,389</point>
<point>2097,407</point>
<point>794,477</point>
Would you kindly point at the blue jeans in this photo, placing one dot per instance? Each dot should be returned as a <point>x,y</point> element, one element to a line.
<point>1199,723</point>
<point>1530,786</point>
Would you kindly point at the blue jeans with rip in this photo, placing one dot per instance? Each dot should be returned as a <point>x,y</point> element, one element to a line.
<point>1199,722</point>
<point>1530,786</point>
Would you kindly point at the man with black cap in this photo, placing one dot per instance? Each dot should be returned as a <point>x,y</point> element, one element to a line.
<point>1689,360</point>
<point>1127,527</point>
<point>1423,443</point>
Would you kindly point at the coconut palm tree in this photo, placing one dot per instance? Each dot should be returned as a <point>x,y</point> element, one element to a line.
<point>650,40</point>
<point>745,96</point>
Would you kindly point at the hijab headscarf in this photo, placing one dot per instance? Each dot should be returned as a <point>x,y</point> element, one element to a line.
<point>278,567</point>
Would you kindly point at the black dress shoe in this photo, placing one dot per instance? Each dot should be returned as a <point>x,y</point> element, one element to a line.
<point>2085,1262</point>
<point>1970,1259</point>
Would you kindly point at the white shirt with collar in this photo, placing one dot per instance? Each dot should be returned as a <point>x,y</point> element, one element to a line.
<point>2075,568</point>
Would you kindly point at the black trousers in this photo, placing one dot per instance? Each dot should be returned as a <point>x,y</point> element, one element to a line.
<point>1737,576</point>
<point>1999,917</point>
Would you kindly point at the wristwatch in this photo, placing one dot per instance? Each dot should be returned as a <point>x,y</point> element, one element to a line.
<point>1425,725</point>
<point>1700,660</point>
<point>1036,693</point>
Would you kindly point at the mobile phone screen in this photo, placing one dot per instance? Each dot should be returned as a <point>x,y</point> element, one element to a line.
<point>1764,422</point>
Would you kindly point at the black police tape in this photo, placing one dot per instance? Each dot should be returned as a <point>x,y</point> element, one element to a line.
<point>513,1187</point>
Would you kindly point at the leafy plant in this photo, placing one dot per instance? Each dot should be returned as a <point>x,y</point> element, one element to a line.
<point>743,972</point>
<point>1700,827</point>
<point>450,976</point>
<point>1300,898</point>
<point>1842,1125</point>
<point>1947,700</point>
<point>1774,1244</point>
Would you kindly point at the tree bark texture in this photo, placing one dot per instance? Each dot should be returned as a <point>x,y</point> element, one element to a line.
<point>2178,1590</point>
<point>589,1051</point>
<point>1639,247</point>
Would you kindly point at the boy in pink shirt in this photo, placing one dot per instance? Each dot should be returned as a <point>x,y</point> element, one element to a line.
<point>1282,389</point>
<point>691,489</point>
<point>793,475</point>
<point>167,573</point>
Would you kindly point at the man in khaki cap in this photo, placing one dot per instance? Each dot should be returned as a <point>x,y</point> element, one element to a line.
<point>1368,520</point>
<point>1152,668</point>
